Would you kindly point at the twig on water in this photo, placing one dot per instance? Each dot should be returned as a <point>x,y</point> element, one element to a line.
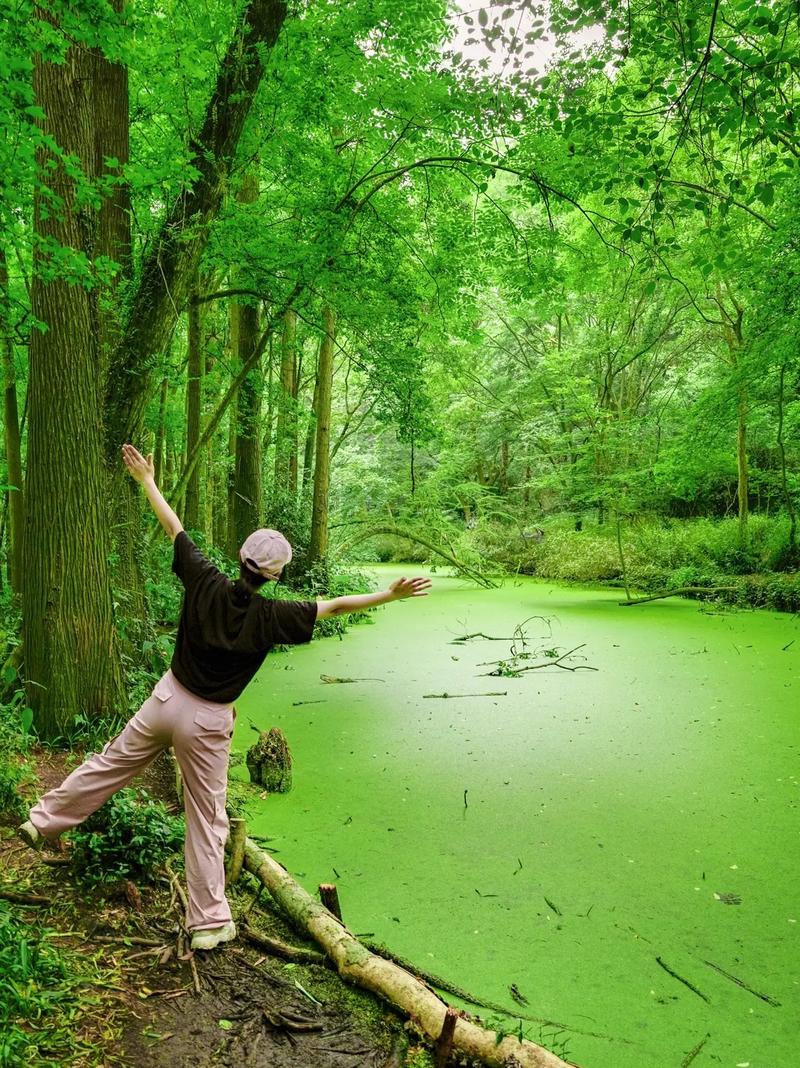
<point>446,696</point>
<point>511,667</point>
<point>740,982</point>
<point>680,979</point>
<point>694,1052</point>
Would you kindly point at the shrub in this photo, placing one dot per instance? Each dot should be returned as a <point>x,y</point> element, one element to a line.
<point>127,838</point>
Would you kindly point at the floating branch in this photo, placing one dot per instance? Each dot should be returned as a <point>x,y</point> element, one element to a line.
<point>694,1052</point>
<point>519,634</point>
<point>677,593</point>
<point>680,979</point>
<point>511,669</point>
<point>499,693</point>
<point>335,678</point>
<point>740,982</point>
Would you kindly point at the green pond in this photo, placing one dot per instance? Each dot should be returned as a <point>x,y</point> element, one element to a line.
<point>618,822</point>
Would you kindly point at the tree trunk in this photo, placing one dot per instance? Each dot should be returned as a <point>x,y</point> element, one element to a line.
<point>742,486</point>
<point>112,123</point>
<point>286,427</point>
<point>160,445</point>
<point>318,546</point>
<point>169,269</point>
<point>311,440</point>
<point>72,662</point>
<point>194,400</point>
<point>16,507</point>
<point>247,509</point>
<point>787,496</point>
<point>113,240</point>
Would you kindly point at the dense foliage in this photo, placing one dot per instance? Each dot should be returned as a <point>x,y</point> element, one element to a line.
<point>476,272</point>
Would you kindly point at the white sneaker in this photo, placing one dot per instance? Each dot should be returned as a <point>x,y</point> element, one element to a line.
<point>208,938</point>
<point>30,835</point>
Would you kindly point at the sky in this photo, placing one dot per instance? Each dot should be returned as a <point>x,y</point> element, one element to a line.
<point>521,22</point>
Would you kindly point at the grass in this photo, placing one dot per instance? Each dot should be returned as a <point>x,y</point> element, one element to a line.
<point>48,996</point>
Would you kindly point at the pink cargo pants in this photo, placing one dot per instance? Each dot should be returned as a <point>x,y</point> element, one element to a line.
<point>200,733</point>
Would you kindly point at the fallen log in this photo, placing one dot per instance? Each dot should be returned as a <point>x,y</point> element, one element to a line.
<point>677,593</point>
<point>394,984</point>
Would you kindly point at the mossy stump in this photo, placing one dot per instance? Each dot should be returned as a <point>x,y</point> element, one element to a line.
<point>270,762</point>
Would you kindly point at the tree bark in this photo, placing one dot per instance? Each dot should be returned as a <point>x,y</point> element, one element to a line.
<point>72,660</point>
<point>318,545</point>
<point>11,429</point>
<point>194,401</point>
<point>113,240</point>
<point>388,980</point>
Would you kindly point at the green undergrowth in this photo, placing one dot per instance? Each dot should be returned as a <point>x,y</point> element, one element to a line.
<point>128,837</point>
<point>45,990</point>
<point>659,554</point>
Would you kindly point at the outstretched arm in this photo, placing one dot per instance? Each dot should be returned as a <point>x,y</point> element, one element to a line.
<point>359,602</point>
<point>142,471</point>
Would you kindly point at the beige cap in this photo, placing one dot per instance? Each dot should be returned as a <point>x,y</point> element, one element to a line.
<point>266,552</point>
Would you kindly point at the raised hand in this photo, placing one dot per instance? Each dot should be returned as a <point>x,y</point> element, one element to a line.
<point>405,587</point>
<point>139,468</point>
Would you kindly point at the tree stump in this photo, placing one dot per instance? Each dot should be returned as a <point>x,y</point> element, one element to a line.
<point>270,762</point>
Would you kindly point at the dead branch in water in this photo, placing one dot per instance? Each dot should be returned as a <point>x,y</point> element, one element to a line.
<point>677,593</point>
<point>499,693</point>
<point>510,668</point>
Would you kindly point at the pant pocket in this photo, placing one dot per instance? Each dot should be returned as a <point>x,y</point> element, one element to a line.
<point>215,720</point>
<point>163,689</point>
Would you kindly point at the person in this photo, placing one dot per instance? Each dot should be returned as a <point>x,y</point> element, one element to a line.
<point>225,631</point>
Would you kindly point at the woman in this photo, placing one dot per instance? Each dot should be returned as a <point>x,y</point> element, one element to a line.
<point>224,633</point>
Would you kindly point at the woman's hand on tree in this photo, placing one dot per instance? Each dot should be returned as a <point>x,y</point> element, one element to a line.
<point>405,587</point>
<point>139,468</point>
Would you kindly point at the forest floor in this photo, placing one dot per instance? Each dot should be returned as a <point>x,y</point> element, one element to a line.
<point>142,1007</point>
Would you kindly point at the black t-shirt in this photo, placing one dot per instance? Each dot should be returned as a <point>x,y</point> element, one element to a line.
<point>224,632</point>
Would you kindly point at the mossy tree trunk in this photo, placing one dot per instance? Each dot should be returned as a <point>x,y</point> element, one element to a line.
<point>318,545</point>
<point>72,661</point>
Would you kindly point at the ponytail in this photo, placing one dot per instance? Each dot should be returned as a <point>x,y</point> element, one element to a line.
<point>248,582</point>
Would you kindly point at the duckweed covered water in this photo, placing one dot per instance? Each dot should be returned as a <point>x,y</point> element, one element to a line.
<point>622,828</point>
